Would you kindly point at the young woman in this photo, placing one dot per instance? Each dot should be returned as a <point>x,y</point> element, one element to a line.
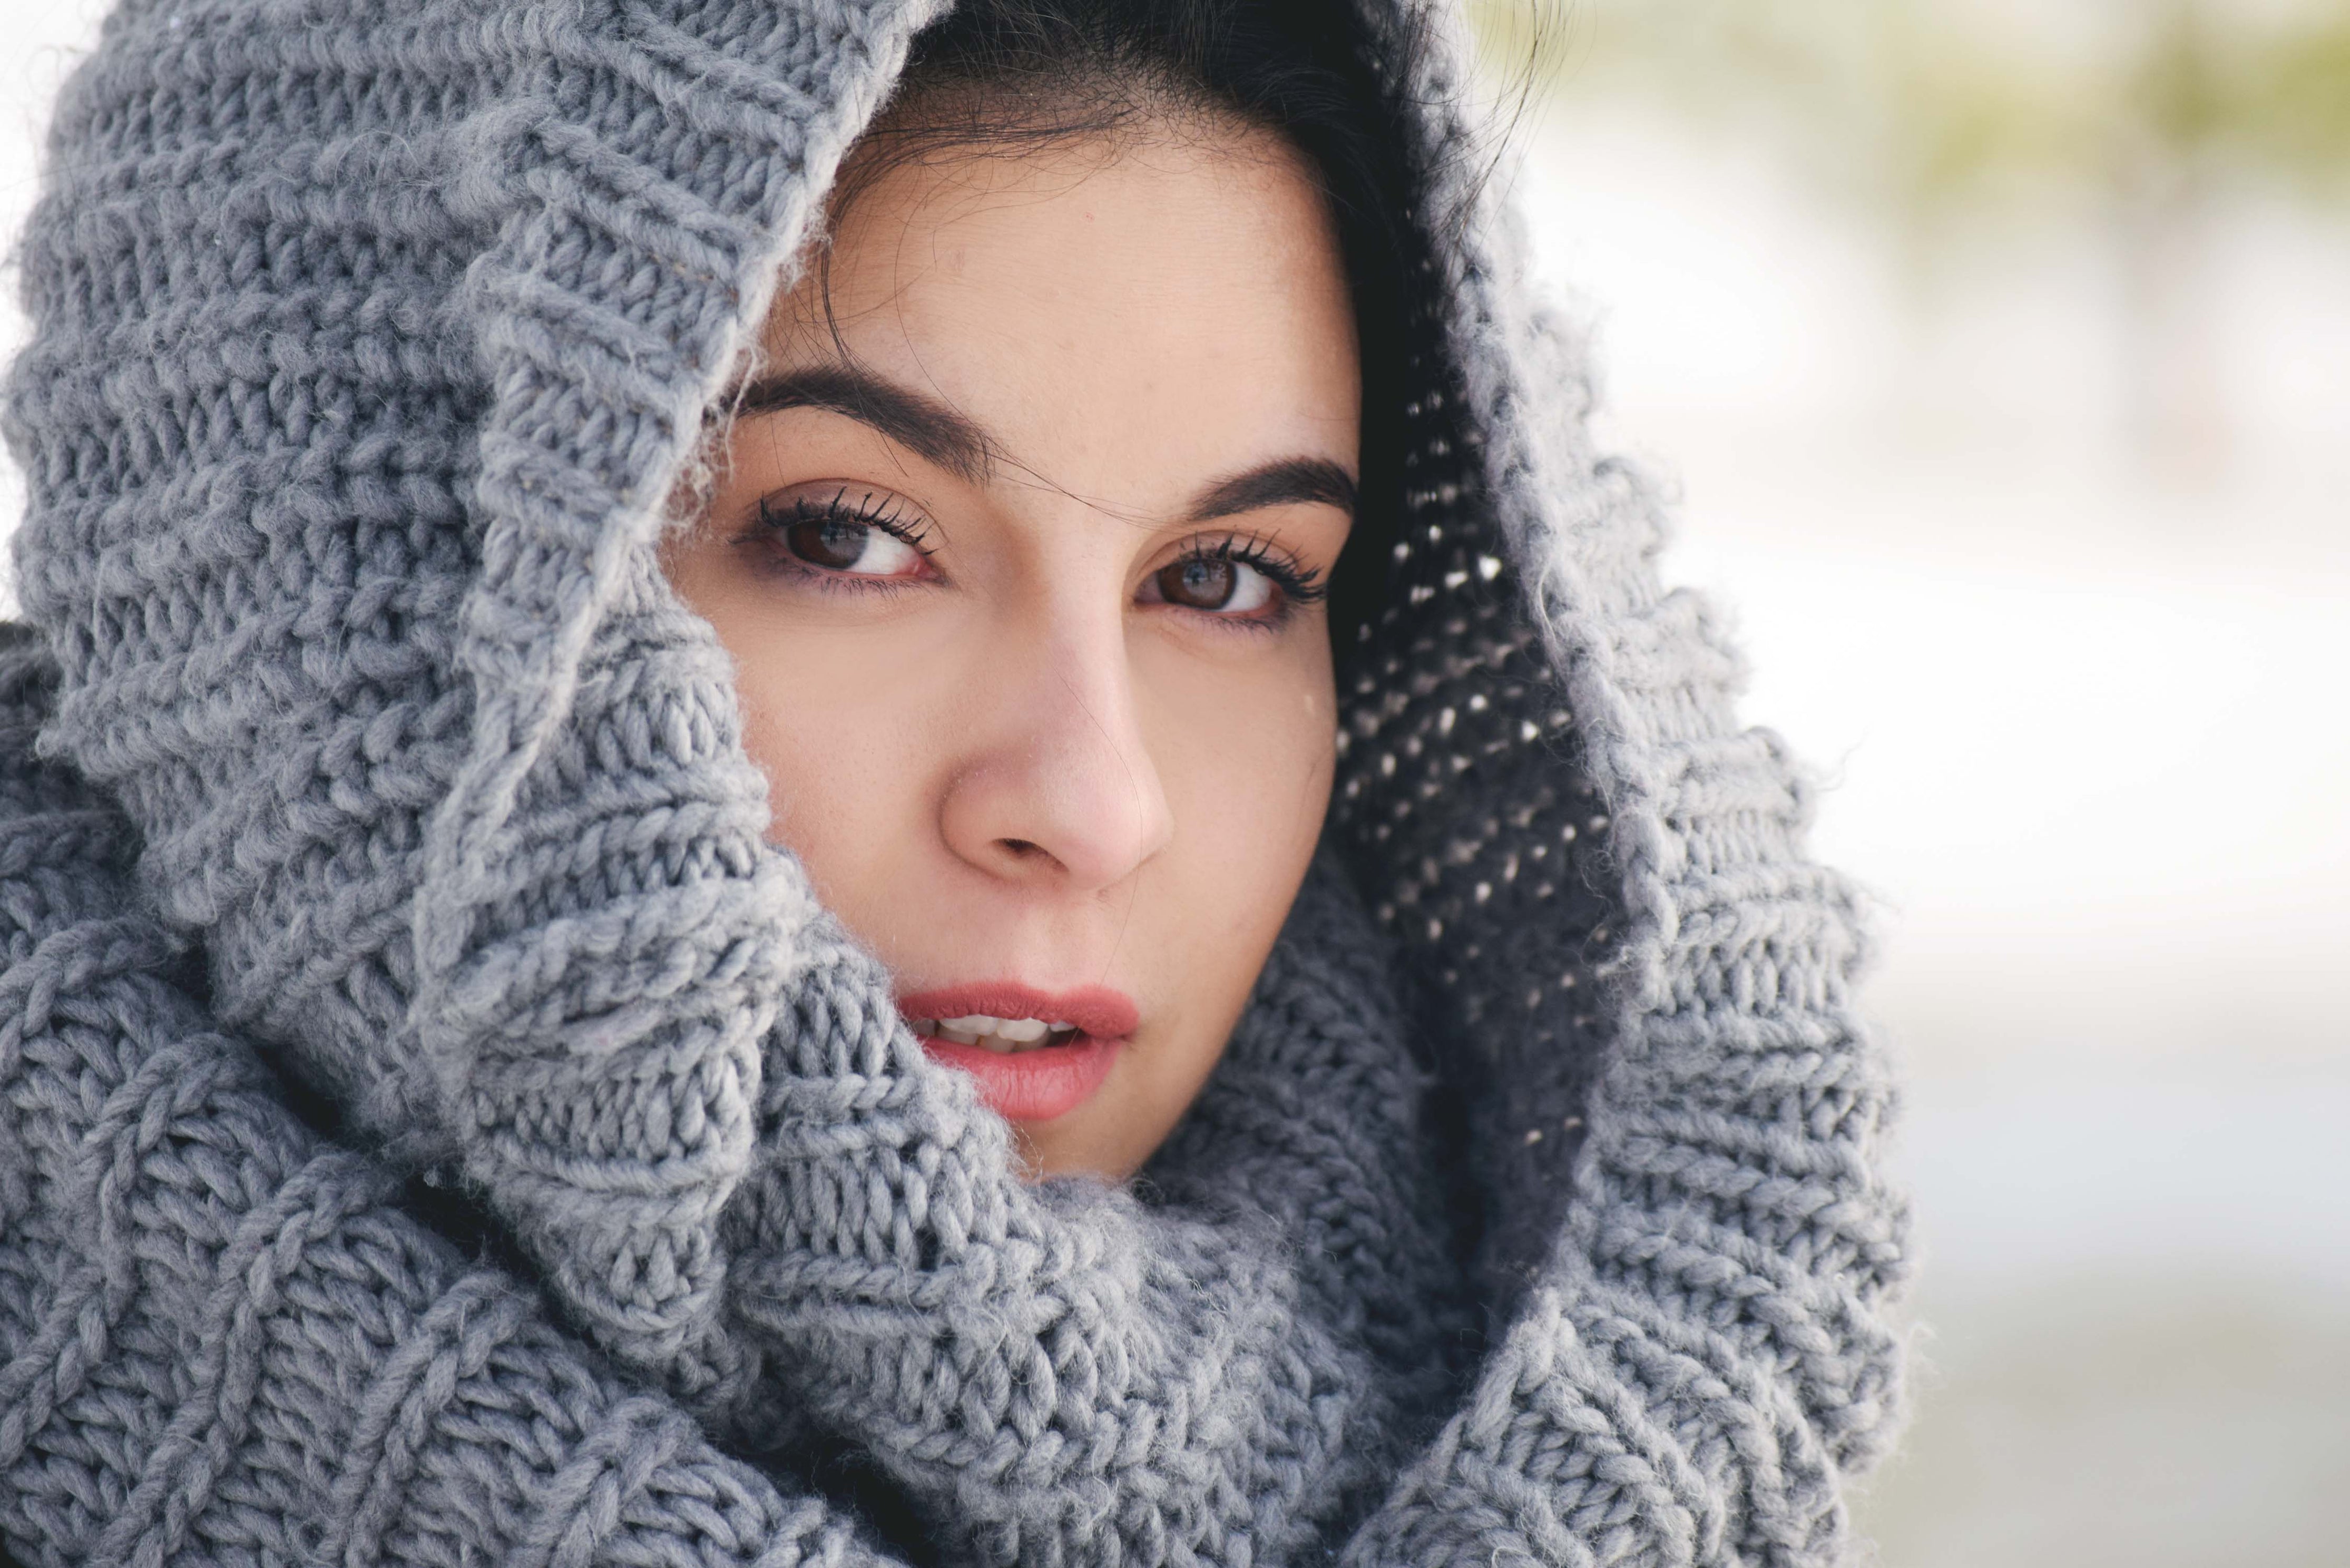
<point>794,781</point>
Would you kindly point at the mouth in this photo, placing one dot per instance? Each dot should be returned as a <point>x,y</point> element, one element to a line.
<point>1005,1036</point>
<point>1036,1054</point>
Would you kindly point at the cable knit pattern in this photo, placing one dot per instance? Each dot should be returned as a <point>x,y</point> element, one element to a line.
<point>379,773</point>
<point>220,1340</point>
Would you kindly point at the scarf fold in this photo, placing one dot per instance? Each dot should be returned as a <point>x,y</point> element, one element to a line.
<point>220,1338</point>
<point>359,759</point>
<point>1069,1374</point>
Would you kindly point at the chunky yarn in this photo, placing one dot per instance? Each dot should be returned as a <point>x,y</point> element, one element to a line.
<point>378,856</point>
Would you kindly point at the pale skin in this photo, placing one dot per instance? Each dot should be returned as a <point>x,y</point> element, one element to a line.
<point>1020,592</point>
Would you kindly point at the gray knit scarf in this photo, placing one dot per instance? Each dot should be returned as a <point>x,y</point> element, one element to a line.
<point>436,1127</point>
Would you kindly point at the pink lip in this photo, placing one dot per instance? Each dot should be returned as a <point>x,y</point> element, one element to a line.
<point>1051,1080</point>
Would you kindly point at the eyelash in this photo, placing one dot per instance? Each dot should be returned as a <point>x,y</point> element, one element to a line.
<point>1299,585</point>
<point>775,519</point>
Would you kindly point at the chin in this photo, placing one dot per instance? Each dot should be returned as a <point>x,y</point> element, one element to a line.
<point>1076,1145</point>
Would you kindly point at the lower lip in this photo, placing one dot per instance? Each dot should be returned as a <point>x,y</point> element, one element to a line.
<point>1032,1085</point>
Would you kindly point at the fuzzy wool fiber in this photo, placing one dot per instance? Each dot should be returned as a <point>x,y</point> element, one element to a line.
<point>437,1127</point>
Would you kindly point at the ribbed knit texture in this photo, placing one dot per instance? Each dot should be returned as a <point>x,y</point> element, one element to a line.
<point>379,773</point>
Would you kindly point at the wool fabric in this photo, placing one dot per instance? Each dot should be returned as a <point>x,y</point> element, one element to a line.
<point>436,1126</point>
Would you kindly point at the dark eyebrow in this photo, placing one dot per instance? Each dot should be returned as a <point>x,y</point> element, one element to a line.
<point>950,439</point>
<point>1281,482</point>
<point>920,423</point>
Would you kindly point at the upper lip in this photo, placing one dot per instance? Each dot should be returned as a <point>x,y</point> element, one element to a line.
<point>1097,1010</point>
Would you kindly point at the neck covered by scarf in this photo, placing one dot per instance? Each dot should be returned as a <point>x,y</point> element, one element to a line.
<point>377,845</point>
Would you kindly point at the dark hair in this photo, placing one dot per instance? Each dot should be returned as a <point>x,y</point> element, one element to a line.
<point>1002,73</point>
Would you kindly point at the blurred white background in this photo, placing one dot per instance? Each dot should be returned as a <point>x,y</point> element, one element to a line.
<point>1999,353</point>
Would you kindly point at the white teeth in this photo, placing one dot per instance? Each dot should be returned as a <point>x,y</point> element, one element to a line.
<point>1002,1036</point>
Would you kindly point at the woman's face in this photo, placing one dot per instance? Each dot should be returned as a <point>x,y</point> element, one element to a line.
<point>1017,548</point>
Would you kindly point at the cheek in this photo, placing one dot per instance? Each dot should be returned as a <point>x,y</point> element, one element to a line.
<point>1246,761</point>
<point>839,730</point>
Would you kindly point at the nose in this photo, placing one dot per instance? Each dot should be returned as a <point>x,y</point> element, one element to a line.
<point>1057,789</point>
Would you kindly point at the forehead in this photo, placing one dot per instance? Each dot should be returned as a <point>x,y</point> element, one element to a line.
<point>1117,310</point>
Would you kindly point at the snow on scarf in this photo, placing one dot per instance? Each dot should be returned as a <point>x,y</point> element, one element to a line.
<point>379,778</point>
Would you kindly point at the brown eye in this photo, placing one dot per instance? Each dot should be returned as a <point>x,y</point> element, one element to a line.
<point>1200,582</point>
<point>840,541</point>
<point>828,542</point>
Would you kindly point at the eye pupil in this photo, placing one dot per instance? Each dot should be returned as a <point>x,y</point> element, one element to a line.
<point>1199,583</point>
<point>828,542</point>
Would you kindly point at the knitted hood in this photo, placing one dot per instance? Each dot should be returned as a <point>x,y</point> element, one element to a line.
<point>379,775</point>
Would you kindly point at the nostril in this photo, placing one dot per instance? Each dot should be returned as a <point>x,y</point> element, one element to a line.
<point>1019,847</point>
